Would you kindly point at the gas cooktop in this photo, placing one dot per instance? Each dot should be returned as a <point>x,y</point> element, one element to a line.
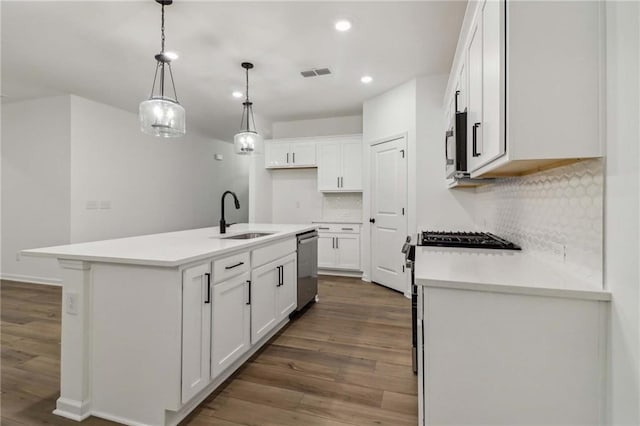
<point>464,239</point>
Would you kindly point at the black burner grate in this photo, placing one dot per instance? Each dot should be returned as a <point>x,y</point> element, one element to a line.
<point>465,239</point>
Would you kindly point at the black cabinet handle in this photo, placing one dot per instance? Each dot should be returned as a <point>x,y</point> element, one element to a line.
<point>337,242</point>
<point>372,220</point>
<point>294,158</point>
<point>447,135</point>
<point>280,275</point>
<point>234,266</point>
<point>208,288</point>
<point>333,242</point>
<point>249,282</point>
<point>323,227</point>
<point>338,184</point>
<point>347,229</point>
<point>287,158</point>
<point>475,139</point>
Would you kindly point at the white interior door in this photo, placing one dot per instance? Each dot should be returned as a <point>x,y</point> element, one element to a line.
<point>388,208</point>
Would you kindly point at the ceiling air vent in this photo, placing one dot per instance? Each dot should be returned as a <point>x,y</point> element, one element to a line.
<point>316,72</point>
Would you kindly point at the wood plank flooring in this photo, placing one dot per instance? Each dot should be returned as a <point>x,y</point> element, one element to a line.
<point>346,361</point>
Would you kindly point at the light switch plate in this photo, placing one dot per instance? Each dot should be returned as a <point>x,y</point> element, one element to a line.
<point>71,303</point>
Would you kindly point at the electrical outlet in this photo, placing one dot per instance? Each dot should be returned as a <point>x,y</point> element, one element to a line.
<point>105,205</point>
<point>92,205</point>
<point>71,303</point>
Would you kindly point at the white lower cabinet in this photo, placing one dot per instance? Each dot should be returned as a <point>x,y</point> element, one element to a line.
<point>231,322</point>
<point>273,294</point>
<point>510,359</point>
<point>196,330</point>
<point>339,247</point>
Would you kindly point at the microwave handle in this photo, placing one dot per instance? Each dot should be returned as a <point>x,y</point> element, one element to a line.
<point>448,134</point>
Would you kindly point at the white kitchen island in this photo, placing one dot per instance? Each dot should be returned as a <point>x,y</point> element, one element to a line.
<point>506,338</point>
<point>151,325</point>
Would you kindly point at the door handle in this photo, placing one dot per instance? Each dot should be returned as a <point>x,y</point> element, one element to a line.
<point>208,288</point>
<point>475,152</point>
<point>249,302</point>
<point>372,220</point>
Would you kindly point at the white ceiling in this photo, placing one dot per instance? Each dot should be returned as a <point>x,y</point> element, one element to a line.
<point>103,50</point>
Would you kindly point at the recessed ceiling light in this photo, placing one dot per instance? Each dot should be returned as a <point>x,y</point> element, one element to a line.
<point>366,79</point>
<point>237,94</point>
<point>343,25</point>
<point>171,55</point>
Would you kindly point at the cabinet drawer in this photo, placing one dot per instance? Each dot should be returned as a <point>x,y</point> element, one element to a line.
<point>230,266</point>
<point>345,228</point>
<point>273,251</point>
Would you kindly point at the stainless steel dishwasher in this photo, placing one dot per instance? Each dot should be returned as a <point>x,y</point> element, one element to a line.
<point>307,268</point>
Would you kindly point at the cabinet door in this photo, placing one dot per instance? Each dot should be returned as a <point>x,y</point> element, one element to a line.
<point>287,295</point>
<point>264,281</point>
<point>461,88</point>
<point>196,330</point>
<point>474,97</point>
<point>329,166</point>
<point>326,251</point>
<point>231,322</point>
<point>277,154</point>
<point>348,251</point>
<point>351,176</point>
<point>493,143</point>
<point>303,154</point>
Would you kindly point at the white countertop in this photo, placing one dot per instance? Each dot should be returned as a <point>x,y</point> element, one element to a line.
<point>169,249</point>
<point>346,221</point>
<point>501,271</point>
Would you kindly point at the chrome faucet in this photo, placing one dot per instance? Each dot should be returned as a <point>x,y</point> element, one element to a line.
<point>223,224</point>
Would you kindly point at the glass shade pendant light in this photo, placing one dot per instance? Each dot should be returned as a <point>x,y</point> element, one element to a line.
<point>162,115</point>
<point>247,141</point>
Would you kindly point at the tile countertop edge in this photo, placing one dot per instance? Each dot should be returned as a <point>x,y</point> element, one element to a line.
<point>597,295</point>
<point>140,261</point>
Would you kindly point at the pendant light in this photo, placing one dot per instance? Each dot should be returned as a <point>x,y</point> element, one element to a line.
<point>162,115</point>
<point>247,141</point>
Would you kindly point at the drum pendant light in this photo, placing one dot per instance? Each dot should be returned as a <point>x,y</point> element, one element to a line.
<point>247,141</point>
<point>162,115</point>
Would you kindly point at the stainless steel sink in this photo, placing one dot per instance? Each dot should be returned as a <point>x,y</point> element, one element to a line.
<point>247,236</point>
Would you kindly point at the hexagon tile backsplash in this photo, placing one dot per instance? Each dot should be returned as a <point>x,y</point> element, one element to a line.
<point>556,213</point>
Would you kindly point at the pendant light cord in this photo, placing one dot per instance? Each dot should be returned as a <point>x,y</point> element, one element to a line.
<point>162,30</point>
<point>247,99</point>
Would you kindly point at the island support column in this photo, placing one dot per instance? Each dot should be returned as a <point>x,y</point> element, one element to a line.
<point>75,369</point>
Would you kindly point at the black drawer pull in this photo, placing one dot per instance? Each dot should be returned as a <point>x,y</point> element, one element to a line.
<point>322,227</point>
<point>475,152</point>
<point>208,288</point>
<point>249,282</point>
<point>234,266</point>
<point>347,229</point>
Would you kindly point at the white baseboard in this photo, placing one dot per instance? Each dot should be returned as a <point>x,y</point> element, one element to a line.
<point>340,273</point>
<point>31,279</point>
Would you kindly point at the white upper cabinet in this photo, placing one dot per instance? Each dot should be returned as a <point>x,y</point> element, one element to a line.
<point>289,153</point>
<point>340,164</point>
<point>533,87</point>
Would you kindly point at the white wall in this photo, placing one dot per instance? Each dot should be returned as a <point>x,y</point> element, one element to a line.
<point>387,116</point>
<point>295,196</point>
<point>35,185</point>
<point>347,125</point>
<point>438,208</point>
<point>60,153</point>
<point>622,211</point>
<point>153,185</point>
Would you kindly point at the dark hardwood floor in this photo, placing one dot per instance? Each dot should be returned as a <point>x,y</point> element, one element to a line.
<point>346,361</point>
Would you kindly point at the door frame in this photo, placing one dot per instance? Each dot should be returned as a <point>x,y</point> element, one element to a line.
<point>409,213</point>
